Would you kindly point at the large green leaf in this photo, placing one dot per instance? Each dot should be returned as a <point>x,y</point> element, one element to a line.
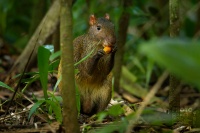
<point>179,57</point>
<point>43,65</point>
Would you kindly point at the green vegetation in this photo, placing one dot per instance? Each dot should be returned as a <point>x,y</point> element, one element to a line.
<point>149,52</point>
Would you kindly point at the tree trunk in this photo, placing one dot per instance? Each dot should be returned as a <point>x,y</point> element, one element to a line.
<point>196,122</point>
<point>67,69</point>
<point>174,92</point>
<point>56,39</point>
<point>122,33</point>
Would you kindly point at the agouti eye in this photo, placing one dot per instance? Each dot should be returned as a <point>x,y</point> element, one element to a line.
<point>98,27</point>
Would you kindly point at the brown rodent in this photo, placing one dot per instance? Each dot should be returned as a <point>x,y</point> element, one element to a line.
<point>94,79</point>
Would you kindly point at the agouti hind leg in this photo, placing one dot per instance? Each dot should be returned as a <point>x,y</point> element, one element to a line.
<point>96,99</point>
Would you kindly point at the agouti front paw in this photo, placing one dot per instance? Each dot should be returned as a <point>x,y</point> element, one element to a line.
<point>114,49</point>
<point>100,53</point>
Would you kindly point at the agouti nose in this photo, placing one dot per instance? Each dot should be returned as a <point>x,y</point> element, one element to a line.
<point>111,40</point>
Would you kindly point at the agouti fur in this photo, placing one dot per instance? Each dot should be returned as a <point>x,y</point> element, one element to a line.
<point>94,78</point>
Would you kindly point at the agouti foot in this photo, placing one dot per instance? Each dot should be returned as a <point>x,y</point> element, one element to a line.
<point>86,118</point>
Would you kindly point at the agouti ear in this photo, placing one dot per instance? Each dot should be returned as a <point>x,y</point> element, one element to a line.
<point>107,16</point>
<point>92,20</point>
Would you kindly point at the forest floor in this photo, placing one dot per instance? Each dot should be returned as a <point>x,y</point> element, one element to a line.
<point>14,115</point>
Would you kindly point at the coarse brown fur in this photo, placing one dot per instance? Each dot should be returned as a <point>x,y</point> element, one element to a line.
<point>94,78</point>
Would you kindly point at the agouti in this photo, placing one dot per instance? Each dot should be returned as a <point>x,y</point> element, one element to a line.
<point>94,78</point>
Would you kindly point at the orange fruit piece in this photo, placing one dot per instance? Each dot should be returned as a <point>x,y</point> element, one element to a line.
<point>107,49</point>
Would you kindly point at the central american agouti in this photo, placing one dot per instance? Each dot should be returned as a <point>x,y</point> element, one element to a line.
<point>94,78</point>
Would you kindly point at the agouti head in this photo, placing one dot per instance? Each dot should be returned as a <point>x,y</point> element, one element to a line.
<point>103,30</point>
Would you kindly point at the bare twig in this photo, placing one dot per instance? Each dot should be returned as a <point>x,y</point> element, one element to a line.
<point>146,101</point>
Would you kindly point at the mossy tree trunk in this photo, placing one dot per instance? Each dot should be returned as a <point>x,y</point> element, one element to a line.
<point>67,66</point>
<point>121,40</point>
<point>174,92</point>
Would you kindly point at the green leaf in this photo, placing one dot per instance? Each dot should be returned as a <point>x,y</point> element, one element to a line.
<point>35,107</point>
<point>55,55</point>
<point>55,98</point>
<point>6,86</point>
<point>57,83</point>
<point>27,74</point>
<point>115,110</point>
<point>5,7</point>
<point>76,71</point>
<point>150,65</point>
<point>43,65</point>
<point>120,127</point>
<point>53,65</point>
<point>50,110</point>
<point>59,99</point>
<point>128,75</point>
<point>56,109</point>
<point>180,57</point>
<point>78,103</point>
<point>29,81</point>
<point>138,63</point>
<point>149,114</point>
<point>136,11</point>
<point>101,115</point>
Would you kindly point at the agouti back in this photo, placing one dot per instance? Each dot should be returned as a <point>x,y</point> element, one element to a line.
<point>94,78</point>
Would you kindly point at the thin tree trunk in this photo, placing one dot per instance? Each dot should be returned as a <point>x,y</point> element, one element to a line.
<point>174,18</point>
<point>56,39</point>
<point>122,33</point>
<point>174,92</point>
<point>67,69</point>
